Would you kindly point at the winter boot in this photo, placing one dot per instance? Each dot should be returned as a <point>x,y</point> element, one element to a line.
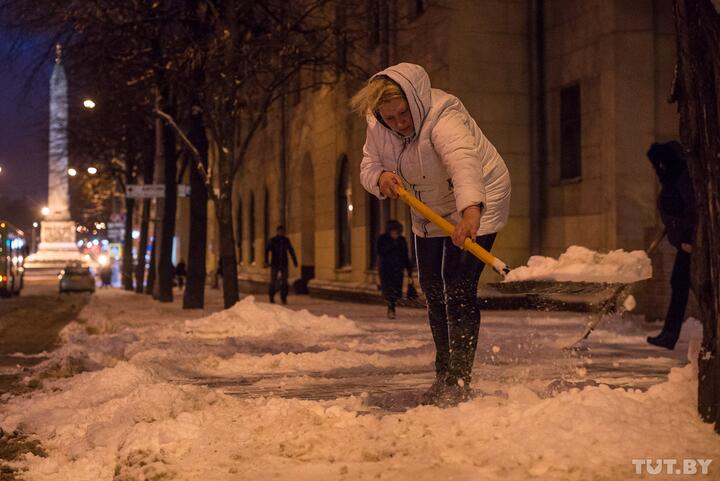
<point>435,392</point>
<point>454,394</point>
<point>662,340</point>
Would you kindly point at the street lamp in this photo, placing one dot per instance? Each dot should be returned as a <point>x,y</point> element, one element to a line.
<point>89,104</point>
<point>45,210</point>
<point>92,170</point>
<point>72,172</point>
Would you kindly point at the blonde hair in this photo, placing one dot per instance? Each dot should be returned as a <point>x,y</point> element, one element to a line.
<point>378,91</point>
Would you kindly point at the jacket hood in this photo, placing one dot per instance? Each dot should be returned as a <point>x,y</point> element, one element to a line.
<point>415,83</point>
<point>668,159</point>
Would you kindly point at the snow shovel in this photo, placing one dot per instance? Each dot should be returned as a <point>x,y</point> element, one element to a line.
<point>499,266</point>
<point>617,299</point>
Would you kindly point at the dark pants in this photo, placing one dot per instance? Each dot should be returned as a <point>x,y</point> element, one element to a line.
<point>391,279</point>
<point>282,273</point>
<point>680,283</point>
<point>181,281</point>
<point>449,278</point>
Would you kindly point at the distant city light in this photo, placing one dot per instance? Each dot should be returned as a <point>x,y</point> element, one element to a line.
<point>0,170</point>
<point>45,210</point>
<point>72,172</point>
<point>89,104</point>
<point>136,234</point>
<point>350,207</point>
<point>80,243</point>
<point>35,224</point>
<point>92,170</point>
<point>103,260</point>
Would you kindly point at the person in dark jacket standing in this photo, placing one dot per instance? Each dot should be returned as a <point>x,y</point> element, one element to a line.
<point>181,273</point>
<point>676,203</point>
<point>279,247</point>
<point>392,251</point>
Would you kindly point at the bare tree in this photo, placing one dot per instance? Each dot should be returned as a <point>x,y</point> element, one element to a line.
<point>698,93</point>
<point>254,52</point>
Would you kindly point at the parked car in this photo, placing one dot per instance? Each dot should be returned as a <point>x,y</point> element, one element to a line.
<point>76,278</point>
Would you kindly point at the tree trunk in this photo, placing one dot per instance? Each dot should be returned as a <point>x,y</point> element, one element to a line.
<point>127,251</point>
<point>165,265</point>
<point>148,171</point>
<point>194,295</point>
<point>152,271</point>
<point>228,255</point>
<point>142,247</point>
<point>698,92</point>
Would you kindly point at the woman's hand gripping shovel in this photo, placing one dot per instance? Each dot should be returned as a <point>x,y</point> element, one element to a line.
<point>499,266</point>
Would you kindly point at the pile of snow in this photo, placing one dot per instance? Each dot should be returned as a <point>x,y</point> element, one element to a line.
<point>580,264</point>
<point>126,423</point>
<point>249,319</point>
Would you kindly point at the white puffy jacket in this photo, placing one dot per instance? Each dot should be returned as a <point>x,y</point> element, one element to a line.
<point>448,163</point>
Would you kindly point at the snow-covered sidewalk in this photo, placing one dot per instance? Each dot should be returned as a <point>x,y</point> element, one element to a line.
<point>142,390</point>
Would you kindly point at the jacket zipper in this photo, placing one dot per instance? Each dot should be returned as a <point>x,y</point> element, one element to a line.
<point>406,142</point>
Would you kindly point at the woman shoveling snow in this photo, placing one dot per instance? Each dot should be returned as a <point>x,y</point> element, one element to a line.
<point>425,140</point>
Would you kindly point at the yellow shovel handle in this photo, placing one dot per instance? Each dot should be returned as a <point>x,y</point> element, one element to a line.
<point>470,245</point>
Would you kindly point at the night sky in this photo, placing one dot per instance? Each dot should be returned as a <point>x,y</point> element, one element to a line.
<point>23,121</point>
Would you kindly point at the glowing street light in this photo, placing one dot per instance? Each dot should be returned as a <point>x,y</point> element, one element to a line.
<point>35,225</point>
<point>92,170</point>
<point>89,104</point>
<point>45,210</point>
<point>72,172</point>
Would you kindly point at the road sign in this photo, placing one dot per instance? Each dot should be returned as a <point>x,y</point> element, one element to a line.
<point>147,191</point>
<point>116,231</point>
<point>117,217</point>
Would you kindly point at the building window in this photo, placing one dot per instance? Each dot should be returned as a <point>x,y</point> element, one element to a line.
<point>416,8</point>
<point>240,230</point>
<point>296,93</point>
<point>252,229</point>
<point>266,219</point>
<point>341,37</point>
<point>344,214</point>
<point>373,19</point>
<point>378,215</point>
<point>570,133</point>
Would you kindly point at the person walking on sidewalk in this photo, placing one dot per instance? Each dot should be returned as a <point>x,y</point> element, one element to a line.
<point>181,273</point>
<point>279,247</point>
<point>392,251</point>
<point>425,140</point>
<point>676,203</point>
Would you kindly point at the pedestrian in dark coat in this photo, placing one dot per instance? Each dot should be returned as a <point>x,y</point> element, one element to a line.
<point>676,203</point>
<point>180,273</point>
<point>278,248</point>
<point>392,251</point>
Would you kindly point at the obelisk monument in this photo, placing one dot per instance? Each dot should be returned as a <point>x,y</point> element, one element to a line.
<point>57,245</point>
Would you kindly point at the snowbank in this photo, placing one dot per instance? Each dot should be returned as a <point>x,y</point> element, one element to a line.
<point>580,264</point>
<point>250,319</point>
<point>125,423</point>
<point>138,411</point>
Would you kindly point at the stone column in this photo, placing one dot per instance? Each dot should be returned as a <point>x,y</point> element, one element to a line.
<point>57,246</point>
<point>58,192</point>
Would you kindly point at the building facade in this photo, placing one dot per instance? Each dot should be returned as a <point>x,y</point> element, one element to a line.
<point>571,93</point>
